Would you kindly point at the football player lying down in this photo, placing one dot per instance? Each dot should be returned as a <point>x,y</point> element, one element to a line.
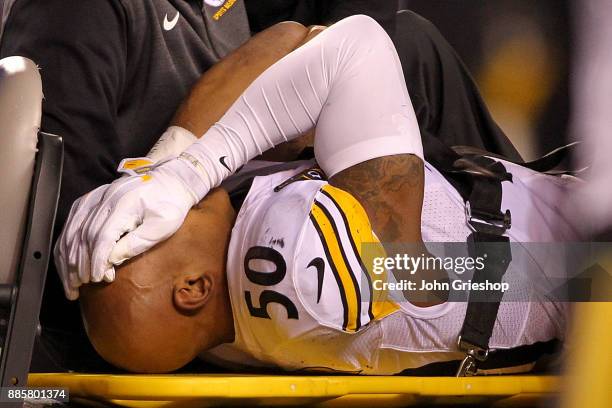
<point>280,282</point>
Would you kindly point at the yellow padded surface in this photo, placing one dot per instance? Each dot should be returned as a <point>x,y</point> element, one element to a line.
<point>213,390</point>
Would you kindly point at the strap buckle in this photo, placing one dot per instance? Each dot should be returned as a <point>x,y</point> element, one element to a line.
<point>473,355</point>
<point>484,221</point>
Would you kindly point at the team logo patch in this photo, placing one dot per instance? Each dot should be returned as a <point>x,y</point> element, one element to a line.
<point>222,8</point>
<point>314,173</point>
<point>214,3</point>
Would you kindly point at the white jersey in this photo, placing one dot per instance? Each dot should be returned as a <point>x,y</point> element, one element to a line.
<point>302,298</point>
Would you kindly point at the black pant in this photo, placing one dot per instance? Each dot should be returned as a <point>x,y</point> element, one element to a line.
<point>450,112</point>
<point>445,98</point>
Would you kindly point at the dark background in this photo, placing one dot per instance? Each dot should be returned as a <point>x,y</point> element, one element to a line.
<point>519,53</point>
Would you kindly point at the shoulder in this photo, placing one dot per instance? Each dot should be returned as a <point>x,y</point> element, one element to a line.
<point>274,213</point>
<point>261,263</point>
<point>320,237</point>
<point>340,238</point>
<point>53,11</point>
<point>295,264</point>
<point>33,25</point>
<point>282,198</point>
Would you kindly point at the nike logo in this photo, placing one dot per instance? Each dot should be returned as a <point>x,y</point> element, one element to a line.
<point>319,264</point>
<point>169,24</point>
<point>222,161</point>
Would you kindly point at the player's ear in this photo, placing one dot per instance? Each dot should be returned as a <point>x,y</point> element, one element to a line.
<point>191,292</point>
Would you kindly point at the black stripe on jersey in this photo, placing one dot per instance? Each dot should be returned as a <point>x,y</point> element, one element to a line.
<point>346,261</point>
<point>330,261</point>
<point>355,251</point>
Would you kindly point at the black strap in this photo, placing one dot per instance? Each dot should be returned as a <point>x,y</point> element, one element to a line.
<point>478,179</point>
<point>483,197</point>
<point>498,359</point>
<point>495,250</point>
<point>544,164</point>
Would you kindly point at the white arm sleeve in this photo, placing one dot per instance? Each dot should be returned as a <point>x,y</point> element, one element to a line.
<point>347,81</point>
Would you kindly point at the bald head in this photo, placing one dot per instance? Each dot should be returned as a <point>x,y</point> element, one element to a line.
<point>170,303</point>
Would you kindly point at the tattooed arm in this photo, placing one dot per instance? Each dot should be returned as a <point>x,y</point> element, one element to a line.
<point>391,191</point>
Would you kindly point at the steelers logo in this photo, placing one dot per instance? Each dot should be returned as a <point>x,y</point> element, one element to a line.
<point>214,3</point>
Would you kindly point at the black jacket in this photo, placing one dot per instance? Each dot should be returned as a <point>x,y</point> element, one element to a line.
<point>115,71</point>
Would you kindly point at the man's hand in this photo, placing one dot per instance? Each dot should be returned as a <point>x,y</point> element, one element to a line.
<point>118,221</point>
<point>67,255</point>
<point>150,211</point>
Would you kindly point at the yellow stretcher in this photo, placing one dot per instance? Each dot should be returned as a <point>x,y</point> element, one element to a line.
<point>180,391</point>
<point>586,384</point>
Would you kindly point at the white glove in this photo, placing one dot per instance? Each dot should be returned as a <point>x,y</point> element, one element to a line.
<point>148,207</point>
<point>171,143</point>
<point>72,252</point>
<point>67,255</point>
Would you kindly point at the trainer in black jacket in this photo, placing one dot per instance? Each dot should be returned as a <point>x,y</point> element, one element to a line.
<point>114,72</point>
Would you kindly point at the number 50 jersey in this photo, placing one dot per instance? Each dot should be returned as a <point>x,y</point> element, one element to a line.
<point>302,298</point>
<point>300,295</point>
